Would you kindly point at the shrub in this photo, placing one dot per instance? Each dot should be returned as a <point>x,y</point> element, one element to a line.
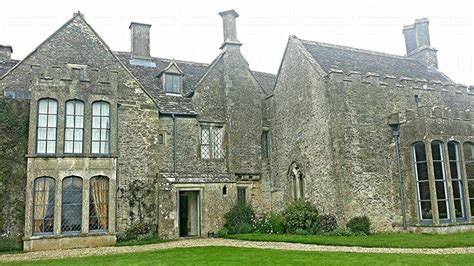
<point>342,231</point>
<point>239,215</point>
<point>271,223</point>
<point>222,233</point>
<point>121,237</point>
<point>140,231</point>
<point>301,232</point>
<point>299,215</point>
<point>246,228</point>
<point>360,224</point>
<point>10,244</point>
<point>325,223</point>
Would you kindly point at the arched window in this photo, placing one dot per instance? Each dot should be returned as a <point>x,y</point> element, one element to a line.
<point>297,182</point>
<point>422,181</point>
<point>440,179</point>
<point>98,203</point>
<point>456,179</point>
<point>74,127</point>
<point>469,161</point>
<point>100,127</point>
<point>46,126</point>
<point>71,206</point>
<point>43,206</point>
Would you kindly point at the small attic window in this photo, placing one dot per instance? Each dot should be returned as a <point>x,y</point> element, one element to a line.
<point>172,83</point>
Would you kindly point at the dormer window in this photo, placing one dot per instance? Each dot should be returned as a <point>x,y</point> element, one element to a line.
<point>172,83</point>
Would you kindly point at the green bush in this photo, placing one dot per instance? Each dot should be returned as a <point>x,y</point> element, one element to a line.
<point>325,223</point>
<point>239,215</point>
<point>301,232</point>
<point>10,244</point>
<point>271,223</point>
<point>342,231</point>
<point>299,215</point>
<point>360,224</point>
<point>222,233</point>
<point>246,228</point>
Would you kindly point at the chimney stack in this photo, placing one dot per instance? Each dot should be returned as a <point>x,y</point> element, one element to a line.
<point>417,42</point>
<point>140,34</point>
<point>230,30</point>
<point>5,53</point>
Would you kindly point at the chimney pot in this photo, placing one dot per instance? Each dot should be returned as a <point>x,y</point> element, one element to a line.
<point>230,29</point>
<point>140,34</point>
<point>5,53</point>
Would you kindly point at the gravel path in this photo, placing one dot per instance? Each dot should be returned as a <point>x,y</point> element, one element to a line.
<point>206,242</point>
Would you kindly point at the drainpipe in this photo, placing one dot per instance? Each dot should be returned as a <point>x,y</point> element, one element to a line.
<point>116,170</point>
<point>396,139</point>
<point>174,142</point>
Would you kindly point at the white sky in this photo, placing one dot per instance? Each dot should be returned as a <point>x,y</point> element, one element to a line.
<point>192,30</point>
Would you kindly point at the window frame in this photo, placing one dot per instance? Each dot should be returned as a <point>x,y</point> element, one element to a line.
<point>107,129</point>
<point>213,140</point>
<point>447,198</point>
<point>47,128</point>
<point>469,175</point>
<point>51,193</point>
<point>172,76</point>
<point>91,201</point>
<point>74,115</point>
<point>418,181</point>
<point>65,205</point>
<point>459,179</point>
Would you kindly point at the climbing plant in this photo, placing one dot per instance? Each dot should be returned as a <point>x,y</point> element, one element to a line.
<point>13,148</point>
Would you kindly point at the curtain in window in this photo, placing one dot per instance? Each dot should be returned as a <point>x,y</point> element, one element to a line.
<point>43,206</point>
<point>99,195</point>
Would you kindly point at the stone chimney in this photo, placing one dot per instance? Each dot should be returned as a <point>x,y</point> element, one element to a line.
<point>230,30</point>
<point>417,42</point>
<point>140,34</point>
<point>5,53</point>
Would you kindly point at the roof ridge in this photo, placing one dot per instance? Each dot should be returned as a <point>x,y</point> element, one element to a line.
<point>170,59</point>
<point>342,47</point>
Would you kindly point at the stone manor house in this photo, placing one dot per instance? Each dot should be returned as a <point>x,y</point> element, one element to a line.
<point>119,138</point>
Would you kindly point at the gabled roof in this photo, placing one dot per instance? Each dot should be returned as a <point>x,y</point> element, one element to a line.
<point>149,77</point>
<point>347,59</point>
<point>7,65</point>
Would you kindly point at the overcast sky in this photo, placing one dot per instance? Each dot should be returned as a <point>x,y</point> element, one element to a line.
<point>192,30</point>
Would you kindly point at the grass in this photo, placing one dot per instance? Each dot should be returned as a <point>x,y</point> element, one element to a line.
<point>406,240</point>
<point>136,242</point>
<point>246,256</point>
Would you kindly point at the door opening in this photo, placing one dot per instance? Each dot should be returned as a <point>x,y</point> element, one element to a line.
<point>189,214</point>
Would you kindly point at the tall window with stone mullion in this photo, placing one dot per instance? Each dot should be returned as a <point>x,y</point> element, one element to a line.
<point>43,205</point>
<point>46,126</point>
<point>440,180</point>
<point>100,128</point>
<point>422,182</point>
<point>469,161</point>
<point>74,127</point>
<point>456,179</point>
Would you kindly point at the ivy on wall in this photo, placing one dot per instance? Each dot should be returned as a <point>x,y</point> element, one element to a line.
<point>140,196</point>
<point>13,147</point>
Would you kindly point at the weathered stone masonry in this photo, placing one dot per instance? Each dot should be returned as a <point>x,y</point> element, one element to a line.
<point>186,140</point>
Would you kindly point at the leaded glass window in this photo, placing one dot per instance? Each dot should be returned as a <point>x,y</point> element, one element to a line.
<point>71,207</point>
<point>43,206</point>
<point>205,143</point>
<point>265,142</point>
<point>217,143</point>
<point>100,128</point>
<point>46,126</point>
<point>99,203</point>
<point>440,179</point>
<point>211,142</point>
<point>74,127</point>
<point>172,83</point>
<point>469,161</point>
<point>422,181</point>
<point>241,195</point>
<point>456,178</point>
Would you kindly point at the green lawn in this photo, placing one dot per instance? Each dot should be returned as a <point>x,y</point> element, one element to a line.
<point>247,256</point>
<point>377,240</point>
